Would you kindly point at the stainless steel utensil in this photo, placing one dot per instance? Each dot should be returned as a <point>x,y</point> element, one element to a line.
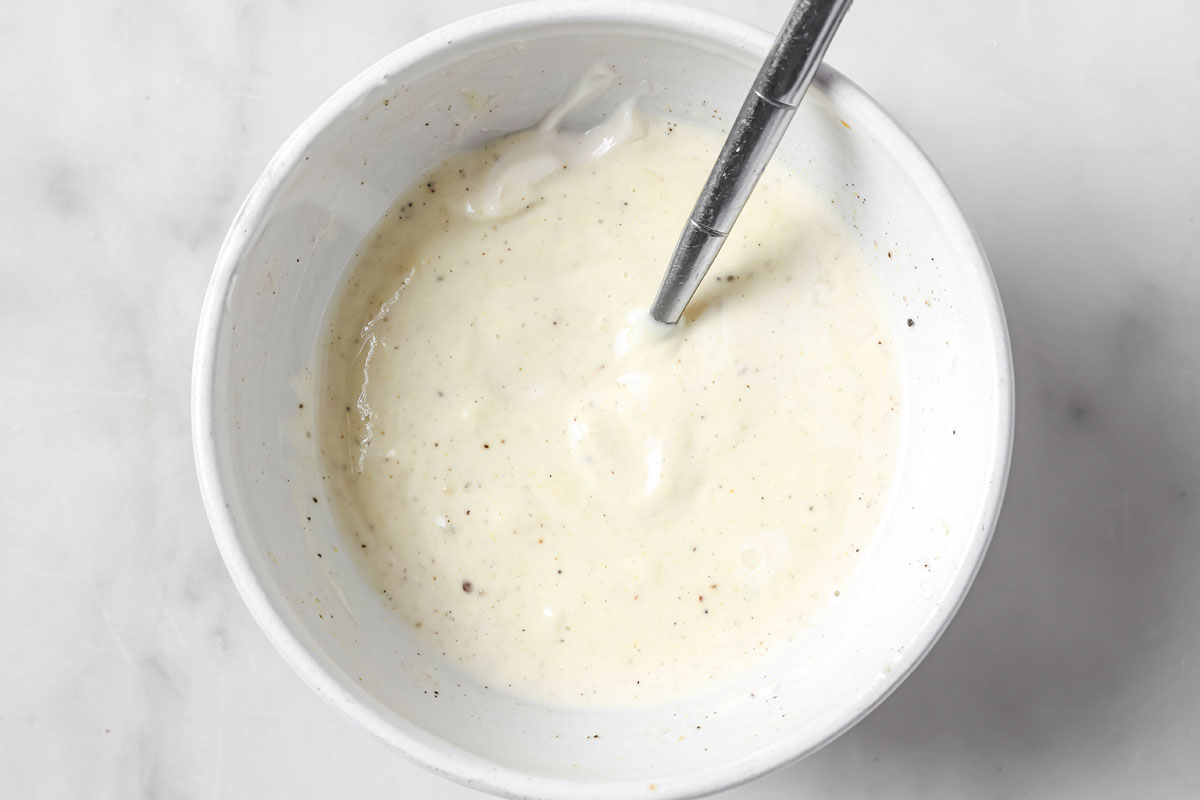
<point>763,119</point>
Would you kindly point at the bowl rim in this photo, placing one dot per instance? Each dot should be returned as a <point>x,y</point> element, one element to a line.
<point>416,744</point>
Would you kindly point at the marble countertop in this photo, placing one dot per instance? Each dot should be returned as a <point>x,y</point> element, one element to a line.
<point>130,131</point>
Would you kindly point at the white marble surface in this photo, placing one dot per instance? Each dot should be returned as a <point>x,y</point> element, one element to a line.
<point>129,133</point>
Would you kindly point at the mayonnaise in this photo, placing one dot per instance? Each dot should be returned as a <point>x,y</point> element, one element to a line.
<point>570,502</point>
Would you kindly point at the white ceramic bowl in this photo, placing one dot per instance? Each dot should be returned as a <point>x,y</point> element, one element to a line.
<point>290,246</point>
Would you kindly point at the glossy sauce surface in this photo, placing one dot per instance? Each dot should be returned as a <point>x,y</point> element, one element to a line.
<point>564,499</point>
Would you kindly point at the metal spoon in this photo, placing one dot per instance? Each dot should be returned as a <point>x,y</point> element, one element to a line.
<point>760,125</point>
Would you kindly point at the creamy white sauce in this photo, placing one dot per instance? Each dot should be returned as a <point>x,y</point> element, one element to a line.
<point>564,499</point>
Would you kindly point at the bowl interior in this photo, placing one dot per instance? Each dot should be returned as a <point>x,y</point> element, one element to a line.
<point>290,248</point>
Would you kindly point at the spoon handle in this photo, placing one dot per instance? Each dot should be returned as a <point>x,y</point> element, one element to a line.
<point>763,119</point>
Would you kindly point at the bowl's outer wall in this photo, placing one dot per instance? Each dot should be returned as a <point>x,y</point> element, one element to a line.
<point>282,263</point>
